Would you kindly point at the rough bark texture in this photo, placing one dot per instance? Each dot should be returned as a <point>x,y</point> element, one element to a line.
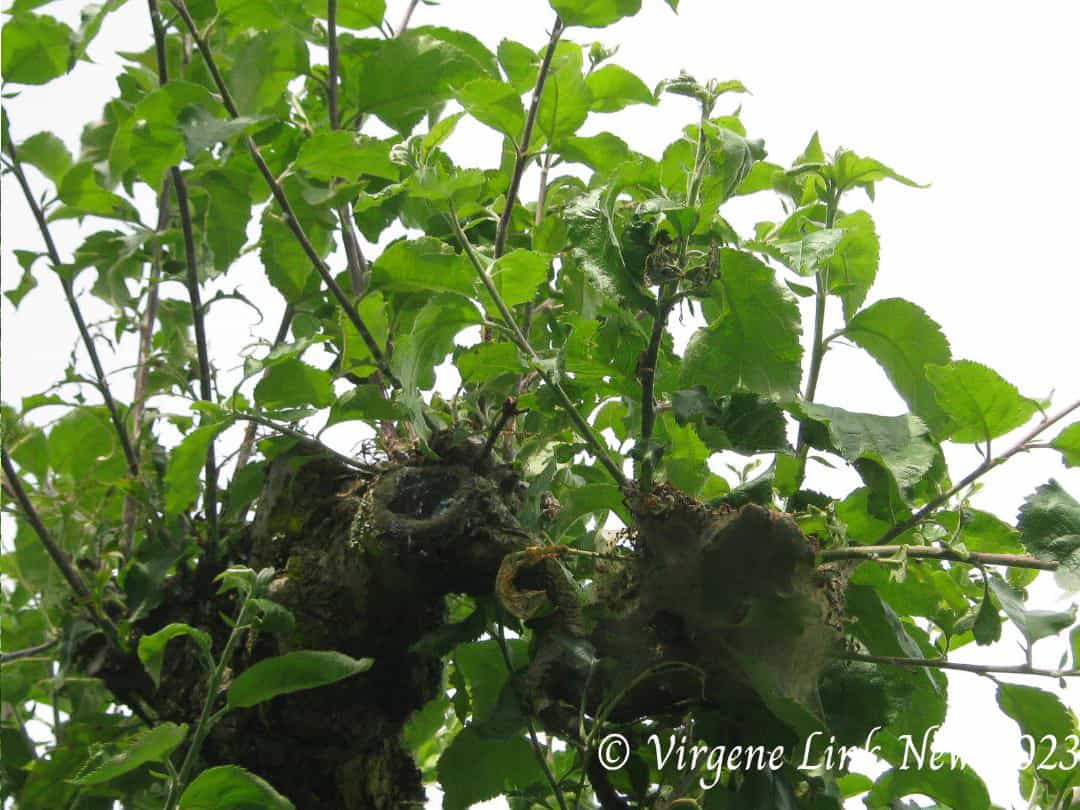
<point>729,598</point>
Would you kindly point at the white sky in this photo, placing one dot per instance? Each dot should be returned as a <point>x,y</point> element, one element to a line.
<point>971,97</point>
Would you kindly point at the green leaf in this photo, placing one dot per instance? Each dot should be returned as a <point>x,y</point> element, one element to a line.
<point>565,103</point>
<point>474,769</point>
<point>355,14</point>
<point>590,221</point>
<point>1041,715</point>
<point>904,340</point>
<point>612,88</point>
<point>601,152</point>
<point>337,153</point>
<point>987,625</point>
<point>430,339</point>
<point>897,443</point>
<point>520,64</point>
<point>954,787</point>
<point>981,404</point>
<point>152,140</point>
<point>595,13</point>
<point>263,67</point>
<point>35,49</point>
<point>810,254</point>
<point>518,274</point>
<point>81,189</point>
<point>229,787</point>
<point>1032,624</point>
<point>47,153</point>
<point>1050,529</point>
<point>82,444</point>
<point>487,360</point>
<point>753,344</point>
<point>152,647</point>
<point>495,104</point>
<point>294,384</point>
<point>1068,442</point>
<point>423,265</point>
<point>274,618</point>
<point>185,465</point>
<point>745,423</point>
<point>151,745</point>
<point>292,672</point>
<point>404,77</point>
<point>850,171</point>
<point>854,264</point>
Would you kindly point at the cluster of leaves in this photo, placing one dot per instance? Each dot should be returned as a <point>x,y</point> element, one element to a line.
<point>588,275</point>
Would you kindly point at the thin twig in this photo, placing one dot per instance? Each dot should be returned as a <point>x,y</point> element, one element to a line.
<point>205,385</point>
<point>76,311</point>
<point>664,302</point>
<point>282,200</point>
<point>974,475</point>
<point>936,553</point>
<point>28,652</point>
<point>332,56</point>
<point>978,669</point>
<point>583,427</point>
<point>248,443</point>
<point>60,558</point>
<point>206,392</point>
<point>404,24</point>
<point>538,750</point>
<point>305,439</point>
<point>503,229</point>
<point>506,414</point>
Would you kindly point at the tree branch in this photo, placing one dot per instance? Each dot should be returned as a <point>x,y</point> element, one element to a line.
<point>304,439</point>
<point>282,200</point>
<point>583,427</point>
<point>205,386</point>
<point>28,652</point>
<point>406,18</point>
<point>76,311</point>
<point>502,231</point>
<point>941,663</point>
<point>935,553</point>
<point>248,442</point>
<point>60,558</point>
<point>975,474</point>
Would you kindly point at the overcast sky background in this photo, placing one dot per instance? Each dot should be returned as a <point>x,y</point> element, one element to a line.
<point>978,99</point>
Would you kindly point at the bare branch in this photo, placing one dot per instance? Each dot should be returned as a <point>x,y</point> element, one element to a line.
<point>503,229</point>
<point>935,553</point>
<point>978,669</point>
<point>28,652</point>
<point>974,475</point>
<point>76,311</point>
<point>60,558</point>
<point>583,427</point>
<point>304,439</point>
<point>282,200</point>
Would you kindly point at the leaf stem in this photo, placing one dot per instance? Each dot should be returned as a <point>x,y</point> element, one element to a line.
<point>76,311</point>
<point>583,427</point>
<point>820,343</point>
<point>935,553</point>
<point>203,725</point>
<point>282,200</point>
<point>941,663</point>
<point>522,149</point>
<point>974,475</point>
